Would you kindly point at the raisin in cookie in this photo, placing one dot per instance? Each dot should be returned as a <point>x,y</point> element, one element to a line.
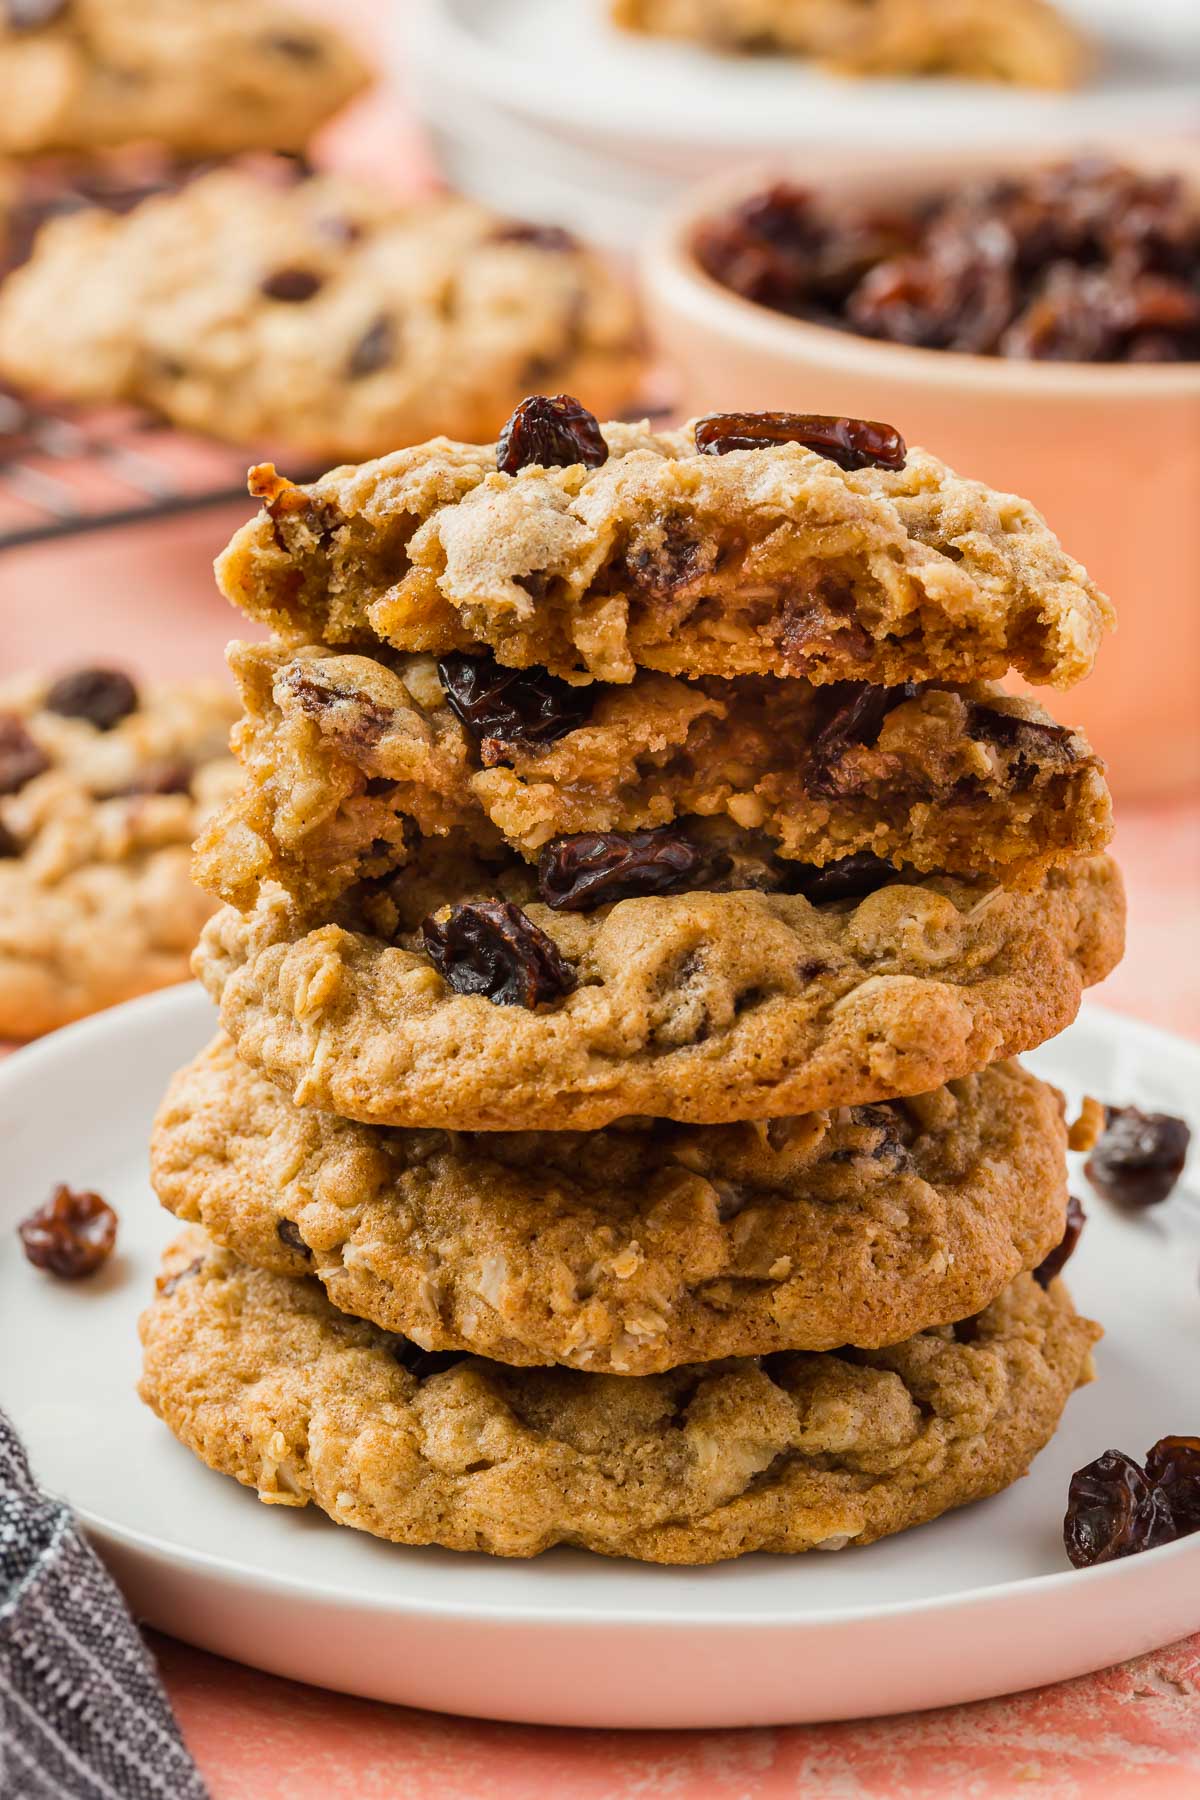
<point>640,549</point>
<point>102,789</point>
<point>203,77</point>
<point>265,1381</point>
<point>1027,42</point>
<point>346,754</point>
<point>701,1007</point>
<point>636,1248</point>
<point>328,317</point>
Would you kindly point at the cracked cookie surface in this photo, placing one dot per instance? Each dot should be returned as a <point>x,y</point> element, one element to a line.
<point>327,316</point>
<point>97,903</point>
<point>204,77</point>
<point>700,1007</point>
<point>769,561</point>
<point>1027,42</point>
<point>263,1380</point>
<point>640,1247</point>
<point>346,755</point>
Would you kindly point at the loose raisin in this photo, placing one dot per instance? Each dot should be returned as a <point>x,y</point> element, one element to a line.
<point>851,443</point>
<point>511,706</point>
<point>593,868</point>
<point>1113,1510</point>
<point>71,1235</point>
<point>1139,1156</point>
<point>20,757</point>
<point>101,696</point>
<point>292,285</point>
<point>491,947</point>
<point>554,431</point>
<point>1173,1465</point>
<point>1055,1262</point>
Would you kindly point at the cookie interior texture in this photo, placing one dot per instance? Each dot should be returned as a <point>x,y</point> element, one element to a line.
<point>1027,42</point>
<point>264,1380</point>
<point>770,561</point>
<point>635,1248</point>
<point>97,903</point>
<point>700,1007</point>
<point>203,77</point>
<point>350,758</point>
<point>327,316</point>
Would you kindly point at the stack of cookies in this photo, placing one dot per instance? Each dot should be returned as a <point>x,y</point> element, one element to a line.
<point>638,891</point>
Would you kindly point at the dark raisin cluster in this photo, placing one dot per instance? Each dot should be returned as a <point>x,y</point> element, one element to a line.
<point>1083,261</point>
<point>593,868</point>
<point>511,707</point>
<point>1118,1507</point>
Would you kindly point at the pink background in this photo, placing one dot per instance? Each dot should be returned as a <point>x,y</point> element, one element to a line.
<point>145,599</point>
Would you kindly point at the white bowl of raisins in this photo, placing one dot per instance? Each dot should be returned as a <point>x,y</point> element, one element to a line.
<point>1036,324</point>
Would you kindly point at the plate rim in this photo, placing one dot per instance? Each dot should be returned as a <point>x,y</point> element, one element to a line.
<point>436,34</point>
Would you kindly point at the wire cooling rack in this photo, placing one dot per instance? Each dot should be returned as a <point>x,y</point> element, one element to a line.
<point>60,475</point>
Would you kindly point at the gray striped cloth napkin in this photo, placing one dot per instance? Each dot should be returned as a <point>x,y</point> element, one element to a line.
<point>83,1715</point>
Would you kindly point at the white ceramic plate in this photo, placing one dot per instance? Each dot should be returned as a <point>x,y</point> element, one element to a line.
<point>543,107</point>
<point>978,1603</point>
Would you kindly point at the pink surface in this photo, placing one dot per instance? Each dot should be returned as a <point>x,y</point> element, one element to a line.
<point>146,599</point>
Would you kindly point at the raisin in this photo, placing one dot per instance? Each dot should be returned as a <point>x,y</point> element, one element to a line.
<point>171,775</point>
<point>852,878</point>
<point>20,757</point>
<point>887,1137</point>
<point>1139,1157</point>
<point>577,874</point>
<point>1054,1263</point>
<point>289,1233</point>
<point>490,947</point>
<point>420,1362</point>
<point>71,1235</point>
<point>101,696</point>
<point>541,237</point>
<point>1114,1510</point>
<point>859,710</point>
<point>851,443</point>
<point>10,846</point>
<point>31,15</point>
<point>1173,1465</point>
<point>502,706</point>
<point>554,432</point>
<point>1080,261</point>
<point>300,49</point>
<point>374,350</point>
<point>777,249</point>
<point>291,284</point>
<point>167,1284</point>
<point>1031,740</point>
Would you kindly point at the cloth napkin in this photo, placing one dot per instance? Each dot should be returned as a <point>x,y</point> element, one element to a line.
<point>83,1715</point>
